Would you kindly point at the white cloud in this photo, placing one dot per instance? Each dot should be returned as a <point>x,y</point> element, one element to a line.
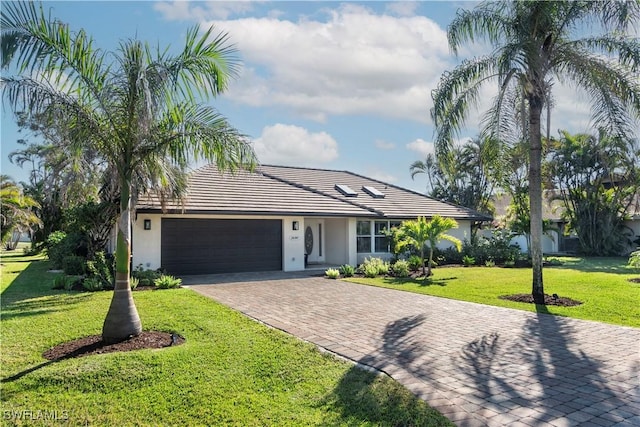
<point>355,62</point>
<point>421,147</point>
<point>384,145</point>
<point>381,175</point>
<point>181,10</point>
<point>290,145</point>
<point>402,8</point>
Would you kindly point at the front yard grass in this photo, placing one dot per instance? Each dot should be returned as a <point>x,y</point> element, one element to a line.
<point>230,371</point>
<point>601,284</point>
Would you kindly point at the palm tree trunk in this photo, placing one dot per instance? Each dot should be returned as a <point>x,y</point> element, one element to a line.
<point>122,319</point>
<point>535,197</point>
<point>430,261</point>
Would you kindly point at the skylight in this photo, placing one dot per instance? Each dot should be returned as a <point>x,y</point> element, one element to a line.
<point>373,192</point>
<point>346,190</point>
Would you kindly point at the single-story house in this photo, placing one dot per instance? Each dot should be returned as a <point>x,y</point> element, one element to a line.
<point>277,218</point>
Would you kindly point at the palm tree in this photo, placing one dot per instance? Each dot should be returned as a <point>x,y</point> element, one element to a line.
<point>534,44</point>
<point>136,106</point>
<point>16,212</point>
<point>418,232</point>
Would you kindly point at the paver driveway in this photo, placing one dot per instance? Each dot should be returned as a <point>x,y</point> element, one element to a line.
<point>478,365</point>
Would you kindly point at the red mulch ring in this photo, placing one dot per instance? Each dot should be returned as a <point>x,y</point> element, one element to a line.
<point>548,299</point>
<point>93,345</point>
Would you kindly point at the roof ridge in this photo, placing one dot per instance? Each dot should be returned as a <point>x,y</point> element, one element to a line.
<point>322,193</point>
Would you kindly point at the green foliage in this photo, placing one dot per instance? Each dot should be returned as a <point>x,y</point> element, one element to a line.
<point>466,176</point>
<point>415,262</point>
<point>93,284</point>
<point>598,180</point>
<point>65,282</point>
<point>146,277</point>
<point>468,261</point>
<point>332,273</point>
<point>489,263</point>
<point>73,265</point>
<point>167,282</point>
<point>56,249</point>
<point>134,282</point>
<point>634,259</point>
<point>401,268</point>
<point>347,270</point>
<point>103,269</point>
<point>374,266</point>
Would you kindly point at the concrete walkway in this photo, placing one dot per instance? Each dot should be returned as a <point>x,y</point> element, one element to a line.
<point>478,365</point>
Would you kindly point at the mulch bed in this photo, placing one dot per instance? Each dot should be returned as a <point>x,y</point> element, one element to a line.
<point>93,344</point>
<point>548,299</point>
<point>635,280</point>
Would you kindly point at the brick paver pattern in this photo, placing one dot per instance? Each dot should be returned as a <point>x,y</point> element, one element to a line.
<point>478,365</point>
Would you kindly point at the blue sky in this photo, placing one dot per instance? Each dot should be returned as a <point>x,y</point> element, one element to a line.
<point>336,85</point>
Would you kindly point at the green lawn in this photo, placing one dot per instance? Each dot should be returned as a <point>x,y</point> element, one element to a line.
<point>600,283</point>
<point>230,370</point>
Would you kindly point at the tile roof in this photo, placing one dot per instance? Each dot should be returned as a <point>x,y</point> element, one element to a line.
<point>278,190</point>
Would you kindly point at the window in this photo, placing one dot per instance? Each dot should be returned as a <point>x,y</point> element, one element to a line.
<point>381,241</point>
<point>363,232</point>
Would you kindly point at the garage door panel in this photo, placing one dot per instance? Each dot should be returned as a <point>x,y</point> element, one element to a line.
<point>200,246</point>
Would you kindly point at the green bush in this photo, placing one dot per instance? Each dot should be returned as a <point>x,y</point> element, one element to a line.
<point>489,263</point>
<point>634,259</point>
<point>93,284</point>
<point>146,277</point>
<point>65,282</point>
<point>56,248</point>
<point>134,282</point>
<point>167,282</point>
<point>374,264</point>
<point>332,273</point>
<point>369,270</point>
<point>415,263</point>
<point>103,268</point>
<point>74,265</point>
<point>401,268</point>
<point>347,270</point>
<point>468,260</point>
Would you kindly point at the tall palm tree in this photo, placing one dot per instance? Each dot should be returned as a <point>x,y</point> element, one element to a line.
<point>536,43</point>
<point>136,106</point>
<point>417,233</point>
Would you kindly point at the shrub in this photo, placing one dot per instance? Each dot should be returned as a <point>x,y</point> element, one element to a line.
<point>332,273</point>
<point>489,263</point>
<point>65,282</point>
<point>167,282</point>
<point>146,277</point>
<point>93,284</point>
<point>634,259</point>
<point>347,270</point>
<point>103,268</point>
<point>377,264</point>
<point>56,249</point>
<point>369,270</point>
<point>401,268</point>
<point>415,263</point>
<point>74,265</point>
<point>468,260</point>
<point>134,282</point>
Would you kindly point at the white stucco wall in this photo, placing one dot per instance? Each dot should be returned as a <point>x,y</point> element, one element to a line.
<point>337,241</point>
<point>293,244</point>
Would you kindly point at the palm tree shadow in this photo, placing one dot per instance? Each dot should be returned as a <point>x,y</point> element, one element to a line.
<point>359,394</point>
<point>559,372</point>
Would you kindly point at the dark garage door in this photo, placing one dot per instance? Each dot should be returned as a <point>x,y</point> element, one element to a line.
<point>205,246</point>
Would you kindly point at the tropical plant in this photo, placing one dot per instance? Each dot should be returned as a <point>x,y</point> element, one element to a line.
<point>634,259</point>
<point>347,270</point>
<point>535,43</point>
<point>16,212</point>
<point>93,284</point>
<point>332,273</point>
<point>400,268</point>
<point>468,261</point>
<point>417,233</point>
<point>136,107</point>
<point>167,282</point>
<point>467,177</point>
<point>375,266</point>
<point>597,179</point>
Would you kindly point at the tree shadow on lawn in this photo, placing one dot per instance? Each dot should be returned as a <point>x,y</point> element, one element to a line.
<point>421,281</point>
<point>614,265</point>
<point>361,395</point>
<point>33,307</point>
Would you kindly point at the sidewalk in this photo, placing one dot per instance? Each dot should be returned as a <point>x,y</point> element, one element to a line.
<point>478,365</point>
